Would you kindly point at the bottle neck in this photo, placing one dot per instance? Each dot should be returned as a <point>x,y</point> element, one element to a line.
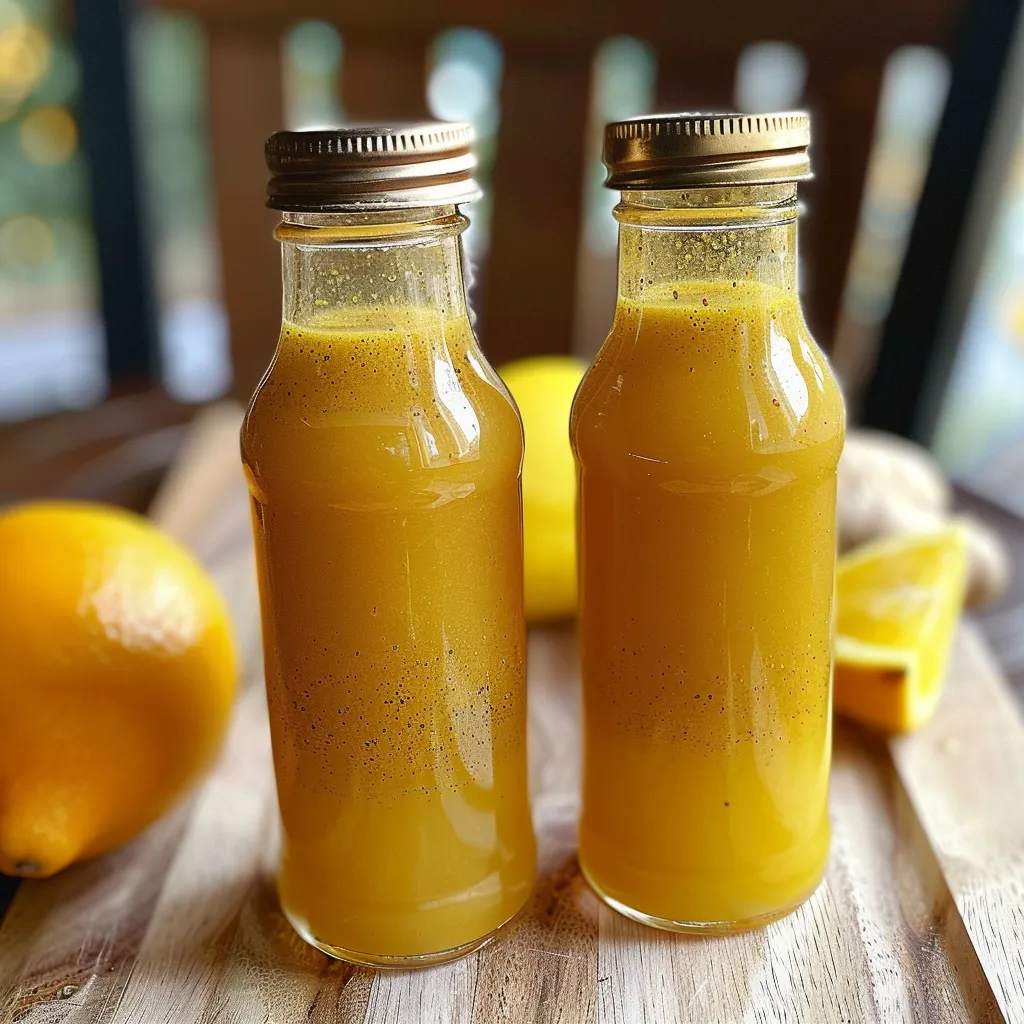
<point>673,241</point>
<point>359,270</point>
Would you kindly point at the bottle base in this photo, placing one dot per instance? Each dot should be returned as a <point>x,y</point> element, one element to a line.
<point>385,962</point>
<point>695,927</point>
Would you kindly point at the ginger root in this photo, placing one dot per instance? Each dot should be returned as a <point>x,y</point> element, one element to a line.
<point>889,485</point>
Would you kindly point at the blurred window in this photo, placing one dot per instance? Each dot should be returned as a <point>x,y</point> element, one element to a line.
<point>980,432</point>
<point>464,84</point>
<point>913,92</point>
<point>170,82</point>
<point>623,86</point>
<point>51,344</point>
<point>914,89</point>
<point>312,69</point>
<point>770,76</point>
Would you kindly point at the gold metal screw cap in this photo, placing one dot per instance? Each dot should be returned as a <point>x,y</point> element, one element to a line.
<point>677,151</point>
<point>371,166</point>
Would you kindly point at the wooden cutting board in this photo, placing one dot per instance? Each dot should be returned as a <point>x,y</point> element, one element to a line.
<point>920,918</point>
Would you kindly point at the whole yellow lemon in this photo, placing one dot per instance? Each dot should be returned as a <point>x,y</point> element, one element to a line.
<point>117,673</point>
<point>543,387</point>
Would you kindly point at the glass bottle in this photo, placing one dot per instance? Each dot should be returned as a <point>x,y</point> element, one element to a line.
<point>707,436</point>
<point>383,456</point>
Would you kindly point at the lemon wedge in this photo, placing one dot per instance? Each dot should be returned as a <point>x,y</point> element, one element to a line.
<point>897,604</point>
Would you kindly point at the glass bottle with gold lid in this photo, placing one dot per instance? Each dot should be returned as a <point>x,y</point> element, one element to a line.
<point>383,456</point>
<point>707,435</point>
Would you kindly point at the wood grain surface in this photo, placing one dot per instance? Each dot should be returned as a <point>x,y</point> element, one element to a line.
<point>964,774</point>
<point>919,918</point>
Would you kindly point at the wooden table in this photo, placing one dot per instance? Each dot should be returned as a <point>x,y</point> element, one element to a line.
<point>921,916</point>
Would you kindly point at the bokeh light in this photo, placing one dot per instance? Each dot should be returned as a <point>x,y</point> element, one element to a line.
<point>770,76</point>
<point>24,59</point>
<point>26,242</point>
<point>465,79</point>
<point>11,13</point>
<point>624,73</point>
<point>459,91</point>
<point>464,84</point>
<point>312,65</point>
<point>316,44</point>
<point>48,136</point>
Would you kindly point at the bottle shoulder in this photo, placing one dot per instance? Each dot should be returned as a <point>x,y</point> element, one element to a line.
<point>380,404</point>
<point>729,382</point>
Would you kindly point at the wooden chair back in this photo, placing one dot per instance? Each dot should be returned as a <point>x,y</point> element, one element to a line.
<point>534,273</point>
